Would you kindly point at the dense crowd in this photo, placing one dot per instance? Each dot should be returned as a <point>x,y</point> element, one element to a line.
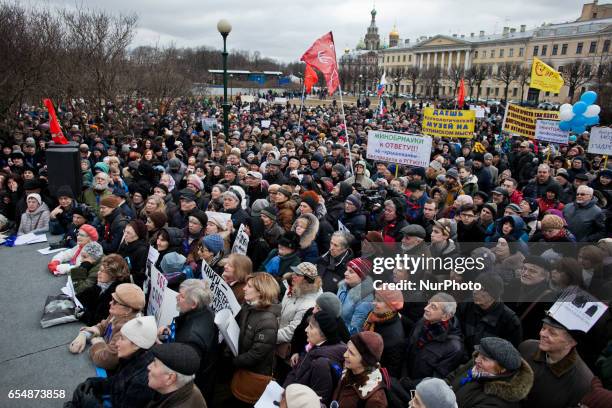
<point>317,212</point>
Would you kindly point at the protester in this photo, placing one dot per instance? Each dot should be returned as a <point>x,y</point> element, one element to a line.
<point>356,293</point>
<point>63,261</point>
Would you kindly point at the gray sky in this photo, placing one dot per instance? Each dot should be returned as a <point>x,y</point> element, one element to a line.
<point>285,29</point>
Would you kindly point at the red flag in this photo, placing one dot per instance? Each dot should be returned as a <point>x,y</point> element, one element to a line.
<point>56,132</point>
<point>310,78</point>
<point>322,56</point>
<point>461,94</point>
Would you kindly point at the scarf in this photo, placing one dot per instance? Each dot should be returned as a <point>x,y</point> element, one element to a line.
<point>431,331</point>
<point>373,319</point>
<point>473,375</point>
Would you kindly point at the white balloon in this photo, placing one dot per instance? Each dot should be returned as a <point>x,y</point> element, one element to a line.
<point>566,115</point>
<point>566,107</point>
<point>592,110</point>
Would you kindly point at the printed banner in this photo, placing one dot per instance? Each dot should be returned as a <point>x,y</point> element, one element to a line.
<point>400,148</point>
<point>548,131</point>
<point>448,123</point>
<point>600,141</point>
<point>241,242</point>
<point>223,297</point>
<point>247,98</point>
<point>479,110</point>
<point>522,121</point>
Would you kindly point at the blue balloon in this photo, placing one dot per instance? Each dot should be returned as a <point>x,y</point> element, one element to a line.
<point>579,108</point>
<point>593,120</point>
<point>578,120</point>
<point>578,129</point>
<point>565,126</point>
<point>589,97</point>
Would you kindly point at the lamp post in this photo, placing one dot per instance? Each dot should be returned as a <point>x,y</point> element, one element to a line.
<point>224,28</point>
<point>231,87</point>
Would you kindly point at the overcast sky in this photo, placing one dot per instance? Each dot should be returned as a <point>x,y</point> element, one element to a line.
<point>284,29</point>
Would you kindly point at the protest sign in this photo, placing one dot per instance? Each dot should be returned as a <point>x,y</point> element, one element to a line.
<point>280,101</point>
<point>223,297</point>
<point>247,98</point>
<point>159,283</point>
<point>479,111</point>
<point>549,131</point>
<point>241,242</point>
<point>209,124</point>
<point>522,121</point>
<point>342,228</point>
<point>168,309</point>
<point>265,123</point>
<point>401,148</point>
<point>152,257</point>
<point>577,309</point>
<point>271,396</point>
<point>600,141</point>
<point>228,328</point>
<point>448,122</point>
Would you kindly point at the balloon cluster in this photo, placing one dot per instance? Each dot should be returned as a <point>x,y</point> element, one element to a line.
<point>580,115</point>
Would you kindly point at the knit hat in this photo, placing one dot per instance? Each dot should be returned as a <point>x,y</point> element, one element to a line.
<point>537,261</point>
<point>355,200</point>
<point>159,218</point>
<point>307,270</point>
<point>328,324</point>
<point>500,350</point>
<point>361,266</point>
<point>330,303</point>
<point>392,298</point>
<point>89,230</point>
<point>142,331</point>
<point>172,262</point>
<point>552,222</point>
<point>414,230</point>
<point>200,216</point>
<point>374,236</point>
<point>214,243</point>
<point>310,201</point>
<point>196,182</point>
<point>491,283</point>
<point>162,187</point>
<point>290,240</point>
<point>101,166</point>
<point>217,219</point>
<point>269,212</point>
<point>445,225</point>
<point>64,191</point>
<point>129,295</point>
<point>436,165</point>
<point>370,345</point>
<point>110,201</point>
<point>284,192</point>
<point>35,196</point>
<point>301,396</point>
<point>436,393</point>
<point>452,173</point>
<point>231,169</point>
<point>178,357</point>
<point>139,228</point>
<point>174,163</point>
<point>187,195</point>
<point>491,207</point>
<point>94,250</point>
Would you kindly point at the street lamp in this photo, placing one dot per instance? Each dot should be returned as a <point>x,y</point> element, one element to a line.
<point>360,82</point>
<point>224,28</point>
<point>231,87</point>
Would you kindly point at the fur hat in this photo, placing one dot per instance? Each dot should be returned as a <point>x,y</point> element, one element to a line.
<point>552,222</point>
<point>290,240</point>
<point>129,295</point>
<point>159,218</point>
<point>142,331</point>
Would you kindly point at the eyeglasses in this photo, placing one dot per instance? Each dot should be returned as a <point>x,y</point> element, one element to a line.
<point>582,194</point>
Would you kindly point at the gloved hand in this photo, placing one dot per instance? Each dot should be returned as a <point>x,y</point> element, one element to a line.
<point>53,266</point>
<point>78,344</point>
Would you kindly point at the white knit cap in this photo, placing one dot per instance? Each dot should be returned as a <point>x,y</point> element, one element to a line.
<point>35,196</point>
<point>142,331</point>
<point>301,396</point>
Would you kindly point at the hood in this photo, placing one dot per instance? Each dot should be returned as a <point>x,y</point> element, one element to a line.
<point>512,389</point>
<point>519,225</point>
<point>311,231</point>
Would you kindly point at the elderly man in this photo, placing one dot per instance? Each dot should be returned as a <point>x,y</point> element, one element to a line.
<point>171,374</point>
<point>332,264</point>
<point>561,378</point>
<point>584,218</point>
<point>93,195</point>
<point>543,179</point>
<point>195,326</point>
<point>435,347</point>
<point>254,188</point>
<point>179,217</point>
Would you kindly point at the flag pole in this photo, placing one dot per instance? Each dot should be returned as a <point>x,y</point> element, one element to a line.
<point>301,105</point>
<point>348,141</point>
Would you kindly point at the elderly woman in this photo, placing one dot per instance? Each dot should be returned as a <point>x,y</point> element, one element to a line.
<point>324,357</point>
<point>128,387</point>
<point>332,264</point>
<point>235,272</point>
<point>112,271</point>
<point>258,321</point>
<point>127,302</point>
<point>85,275</point>
<point>63,261</point>
<point>36,217</point>
<point>497,376</point>
<point>306,227</point>
<point>356,294</point>
<point>362,382</point>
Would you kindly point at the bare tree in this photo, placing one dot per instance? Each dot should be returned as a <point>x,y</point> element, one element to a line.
<point>432,77</point>
<point>477,74</point>
<point>454,75</point>
<point>396,77</point>
<point>576,74</point>
<point>413,74</point>
<point>523,77</point>
<point>506,73</point>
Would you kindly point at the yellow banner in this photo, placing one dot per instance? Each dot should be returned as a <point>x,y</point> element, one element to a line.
<point>544,77</point>
<point>448,123</point>
<point>522,121</point>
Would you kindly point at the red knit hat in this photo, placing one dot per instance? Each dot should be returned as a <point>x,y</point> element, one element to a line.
<point>91,231</point>
<point>361,266</point>
<point>392,298</point>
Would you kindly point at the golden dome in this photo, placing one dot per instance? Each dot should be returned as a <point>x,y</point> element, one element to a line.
<point>394,33</point>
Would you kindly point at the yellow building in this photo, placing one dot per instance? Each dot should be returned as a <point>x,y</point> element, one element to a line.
<point>439,61</point>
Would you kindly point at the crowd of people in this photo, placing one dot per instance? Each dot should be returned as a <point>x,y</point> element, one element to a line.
<point>317,213</point>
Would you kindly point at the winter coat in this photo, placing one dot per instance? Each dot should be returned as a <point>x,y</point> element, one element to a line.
<point>92,199</point>
<point>391,231</point>
<point>316,372</point>
<point>331,270</point>
<point>271,235</point>
<point>35,221</point>
<point>188,396</point>
<point>104,354</point>
<point>309,251</point>
<point>356,303</point>
<point>238,216</point>
<point>135,254</point>
<point>111,231</point>
<point>68,258</point>
<point>286,214</point>
<point>362,179</point>
<point>96,303</point>
<point>533,302</point>
<point>285,264</point>
<point>394,339</point>
<point>503,391</point>
<point>585,221</point>
<point>535,189</point>
<point>257,340</point>
<point>355,222</point>
<point>370,395</point>
<point>299,340</point>
<point>61,222</point>
<point>470,185</point>
<point>558,385</point>
<point>498,321</point>
<point>438,357</point>
<point>84,276</point>
<point>293,309</point>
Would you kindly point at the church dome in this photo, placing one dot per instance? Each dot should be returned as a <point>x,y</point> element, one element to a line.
<point>394,33</point>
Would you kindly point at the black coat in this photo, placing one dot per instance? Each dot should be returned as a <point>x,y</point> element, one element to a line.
<point>331,270</point>
<point>135,254</point>
<point>257,340</point>
<point>111,231</point>
<point>299,340</point>
<point>96,304</point>
<point>392,332</point>
<point>356,223</point>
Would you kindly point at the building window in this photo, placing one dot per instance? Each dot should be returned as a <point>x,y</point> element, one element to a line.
<point>476,52</point>
<point>547,93</point>
<point>514,91</point>
<point>563,49</point>
<point>496,91</point>
<point>544,50</point>
<point>488,91</point>
<point>393,58</point>
<point>606,46</point>
<point>535,51</point>
<point>521,52</point>
<point>410,58</point>
<point>560,69</point>
<point>484,54</point>
<point>555,49</point>
<point>501,53</point>
<point>579,48</point>
<point>511,52</point>
<point>593,47</point>
<point>404,59</point>
<point>492,53</point>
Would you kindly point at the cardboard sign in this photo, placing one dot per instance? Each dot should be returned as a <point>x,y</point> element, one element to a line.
<point>223,297</point>
<point>522,121</point>
<point>241,243</point>
<point>228,328</point>
<point>400,148</point>
<point>280,101</point>
<point>479,111</point>
<point>159,283</point>
<point>247,98</point>
<point>577,309</point>
<point>549,131</point>
<point>600,141</point>
<point>209,124</point>
<point>152,257</point>
<point>265,123</point>
<point>449,123</point>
